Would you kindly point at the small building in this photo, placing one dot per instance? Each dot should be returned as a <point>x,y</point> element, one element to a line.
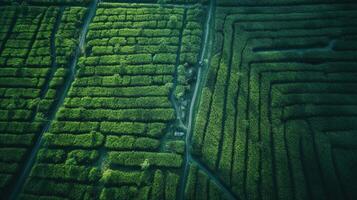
<point>179,134</point>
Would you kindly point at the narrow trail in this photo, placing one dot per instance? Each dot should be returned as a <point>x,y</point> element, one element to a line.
<point>20,182</point>
<point>202,69</point>
<point>178,54</point>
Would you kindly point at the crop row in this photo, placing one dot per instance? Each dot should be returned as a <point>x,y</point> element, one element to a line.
<point>263,133</point>
<point>117,81</point>
<point>118,103</point>
<point>199,186</point>
<point>48,2</point>
<point>160,2</point>
<point>148,69</point>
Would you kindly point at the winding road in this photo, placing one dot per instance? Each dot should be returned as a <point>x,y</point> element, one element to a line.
<point>202,70</point>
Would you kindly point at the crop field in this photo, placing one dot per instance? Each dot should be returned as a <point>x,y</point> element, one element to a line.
<point>178,99</point>
<point>277,118</point>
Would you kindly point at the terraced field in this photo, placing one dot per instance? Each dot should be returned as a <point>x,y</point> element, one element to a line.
<point>178,99</point>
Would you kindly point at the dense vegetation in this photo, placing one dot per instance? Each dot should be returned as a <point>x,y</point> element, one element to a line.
<point>31,77</point>
<point>279,105</point>
<point>97,97</point>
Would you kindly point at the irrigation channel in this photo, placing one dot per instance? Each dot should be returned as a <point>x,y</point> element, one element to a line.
<point>203,65</point>
<point>20,182</point>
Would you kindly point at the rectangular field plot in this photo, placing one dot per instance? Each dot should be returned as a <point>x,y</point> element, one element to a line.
<point>112,137</point>
<point>278,110</point>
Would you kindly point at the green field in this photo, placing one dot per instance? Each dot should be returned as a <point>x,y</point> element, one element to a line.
<point>178,99</point>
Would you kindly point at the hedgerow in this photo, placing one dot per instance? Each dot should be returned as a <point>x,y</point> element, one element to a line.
<point>82,156</point>
<point>137,158</point>
<point>130,142</point>
<point>114,177</point>
<point>92,139</point>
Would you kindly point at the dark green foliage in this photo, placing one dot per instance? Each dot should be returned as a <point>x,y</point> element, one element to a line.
<point>92,139</point>
<point>177,146</point>
<point>82,156</point>
<point>111,177</point>
<point>172,181</point>
<point>106,141</point>
<point>125,192</point>
<point>142,115</point>
<point>164,58</point>
<point>137,158</point>
<point>157,191</point>
<point>191,182</point>
<point>11,154</point>
<point>51,155</point>
<point>65,172</point>
<point>25,139</point>
<point>130,142</point>
<point>70,2</point>
<point>118,103</point>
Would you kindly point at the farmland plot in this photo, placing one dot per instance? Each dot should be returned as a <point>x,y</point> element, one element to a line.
<point>33,69</point>
<point>113,136</point>
<point>119,99</point>
<point>277,115</point>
